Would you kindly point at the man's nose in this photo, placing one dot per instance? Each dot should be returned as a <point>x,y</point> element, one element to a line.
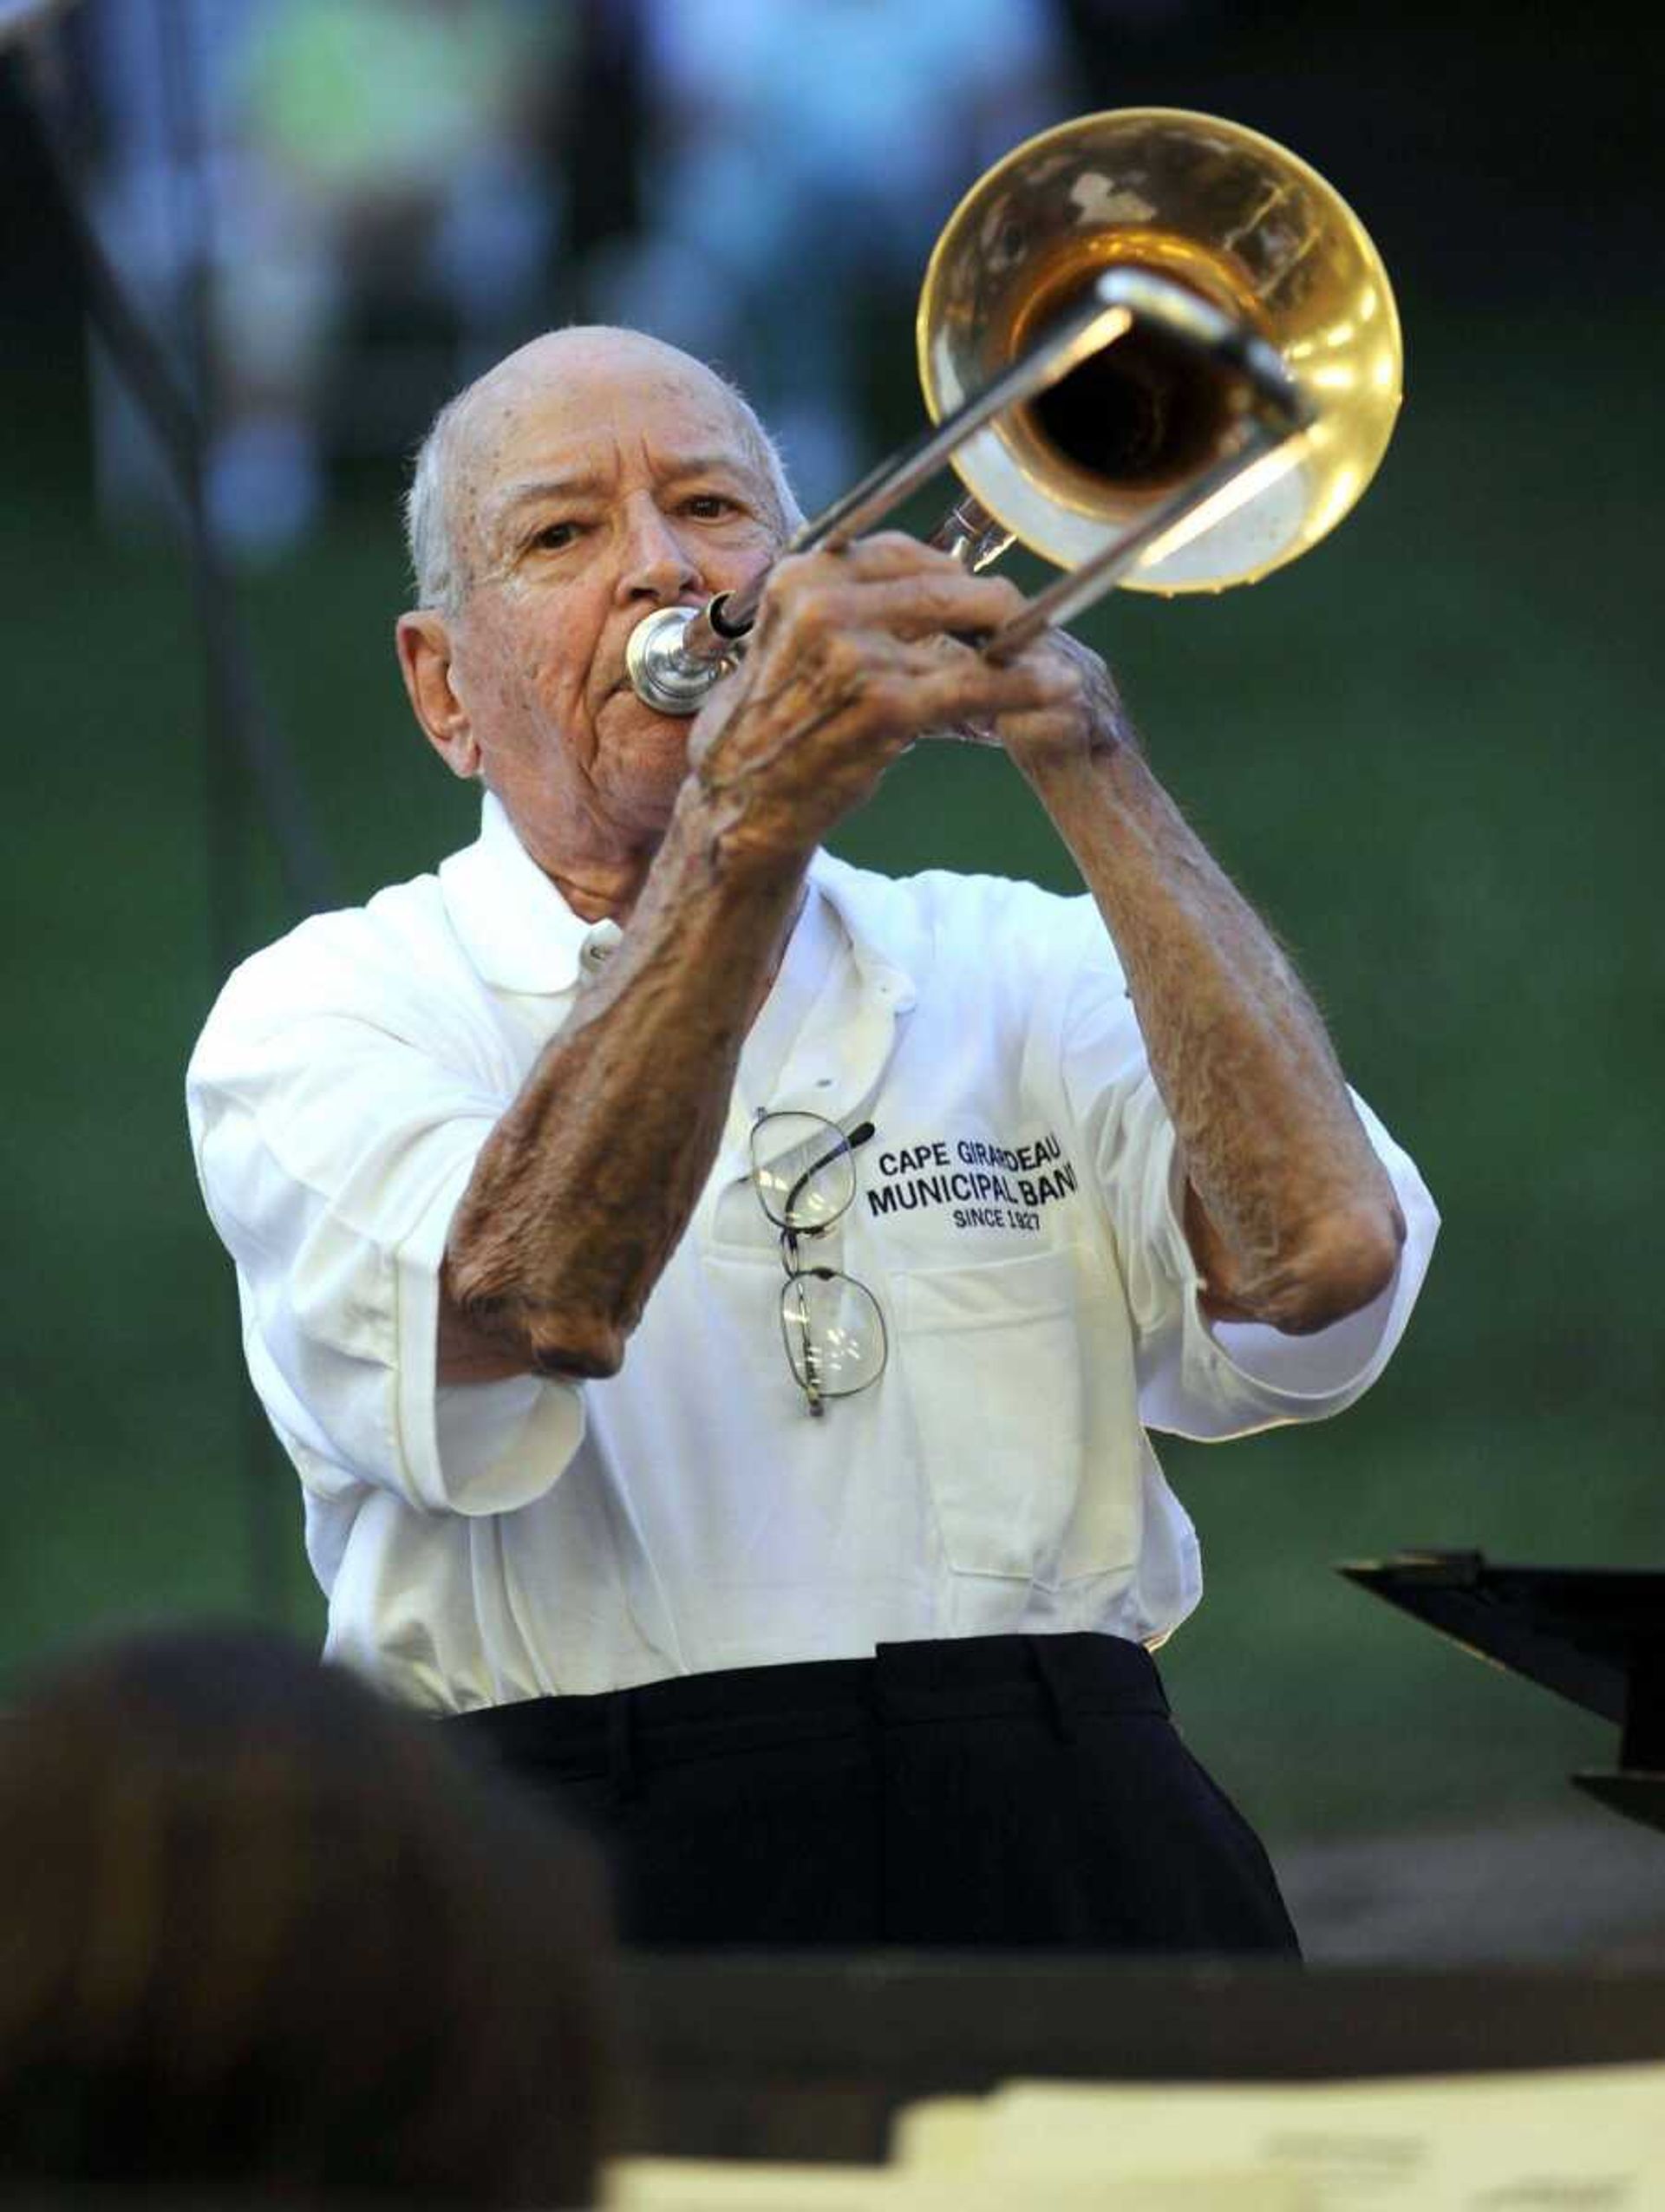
<point>656,564</point>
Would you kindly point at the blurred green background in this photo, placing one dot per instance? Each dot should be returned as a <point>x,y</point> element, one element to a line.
<point>1430,753</point>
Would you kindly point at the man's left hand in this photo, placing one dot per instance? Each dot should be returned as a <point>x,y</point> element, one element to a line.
<point>1089,718</point>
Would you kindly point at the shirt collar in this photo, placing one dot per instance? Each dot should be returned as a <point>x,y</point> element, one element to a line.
<point>521,935</point>
<point>516,928</point>
<point>867,906</point>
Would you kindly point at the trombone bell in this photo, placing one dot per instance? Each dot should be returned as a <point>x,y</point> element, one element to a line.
<point>1223,213</point>
<point>1155,347</point>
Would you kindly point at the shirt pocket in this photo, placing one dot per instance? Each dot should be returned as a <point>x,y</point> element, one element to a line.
<point>1019,1374</point>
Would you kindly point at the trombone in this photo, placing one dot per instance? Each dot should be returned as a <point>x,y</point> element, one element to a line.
<point>1157,348</point>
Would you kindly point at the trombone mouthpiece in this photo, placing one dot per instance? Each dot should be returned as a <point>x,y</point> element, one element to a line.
<point>666,672</point>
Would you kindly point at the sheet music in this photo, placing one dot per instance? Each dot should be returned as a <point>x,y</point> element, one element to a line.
<point>1589,2137</point>
<point>718,2185</point>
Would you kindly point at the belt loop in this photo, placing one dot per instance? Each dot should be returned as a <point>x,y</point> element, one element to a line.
<point>1057,1698</point>
<point>621,1747</point>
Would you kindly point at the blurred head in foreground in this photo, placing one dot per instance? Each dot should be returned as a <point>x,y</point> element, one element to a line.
<point>263,1932</point>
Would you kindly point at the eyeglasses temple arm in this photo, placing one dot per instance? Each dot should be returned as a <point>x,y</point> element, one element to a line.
<point>858,1136</point>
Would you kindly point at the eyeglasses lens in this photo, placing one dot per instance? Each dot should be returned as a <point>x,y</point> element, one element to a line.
<point>834,1333</point>
<point>804,1172</point>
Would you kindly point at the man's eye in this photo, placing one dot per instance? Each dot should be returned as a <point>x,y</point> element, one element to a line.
<point>710,506</point>
<point>554,537</point>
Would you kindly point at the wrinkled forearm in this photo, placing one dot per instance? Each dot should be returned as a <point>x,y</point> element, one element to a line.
<point>581,1192</point>
<point>1290,1215</point>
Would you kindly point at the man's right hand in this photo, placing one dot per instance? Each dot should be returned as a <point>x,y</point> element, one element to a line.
<point>850,661</point>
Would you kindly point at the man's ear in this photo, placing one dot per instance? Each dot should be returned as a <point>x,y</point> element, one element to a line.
<point>423,643</point>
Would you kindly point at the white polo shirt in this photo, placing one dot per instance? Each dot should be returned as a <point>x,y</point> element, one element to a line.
<point>1015,1219</point>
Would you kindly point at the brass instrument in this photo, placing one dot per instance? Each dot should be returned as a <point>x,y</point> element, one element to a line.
<point>1157,348</point>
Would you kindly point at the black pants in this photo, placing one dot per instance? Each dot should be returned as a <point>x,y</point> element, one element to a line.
<point>987,1790</point>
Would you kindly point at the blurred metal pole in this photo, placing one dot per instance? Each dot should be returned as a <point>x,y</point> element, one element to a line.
<point>227,784</point>
<point>244,748</point>
<point>240,721</point>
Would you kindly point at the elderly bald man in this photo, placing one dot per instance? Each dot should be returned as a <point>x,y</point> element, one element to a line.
<point>716,1298</point>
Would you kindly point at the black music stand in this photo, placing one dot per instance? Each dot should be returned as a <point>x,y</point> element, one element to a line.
<point>1595,1635</point>
<point>810,2056</point>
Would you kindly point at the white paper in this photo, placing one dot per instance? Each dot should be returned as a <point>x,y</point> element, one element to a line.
<point>1589,2139</point>
<point>709,2185</point>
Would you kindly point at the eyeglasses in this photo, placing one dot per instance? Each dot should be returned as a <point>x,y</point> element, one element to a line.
<point>804,1172</point>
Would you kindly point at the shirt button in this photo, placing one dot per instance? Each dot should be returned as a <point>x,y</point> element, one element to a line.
<point>597,947</point>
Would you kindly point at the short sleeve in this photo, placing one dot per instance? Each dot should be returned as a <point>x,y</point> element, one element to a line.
<point>332,1154</point>
<point>1196,1378</point>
